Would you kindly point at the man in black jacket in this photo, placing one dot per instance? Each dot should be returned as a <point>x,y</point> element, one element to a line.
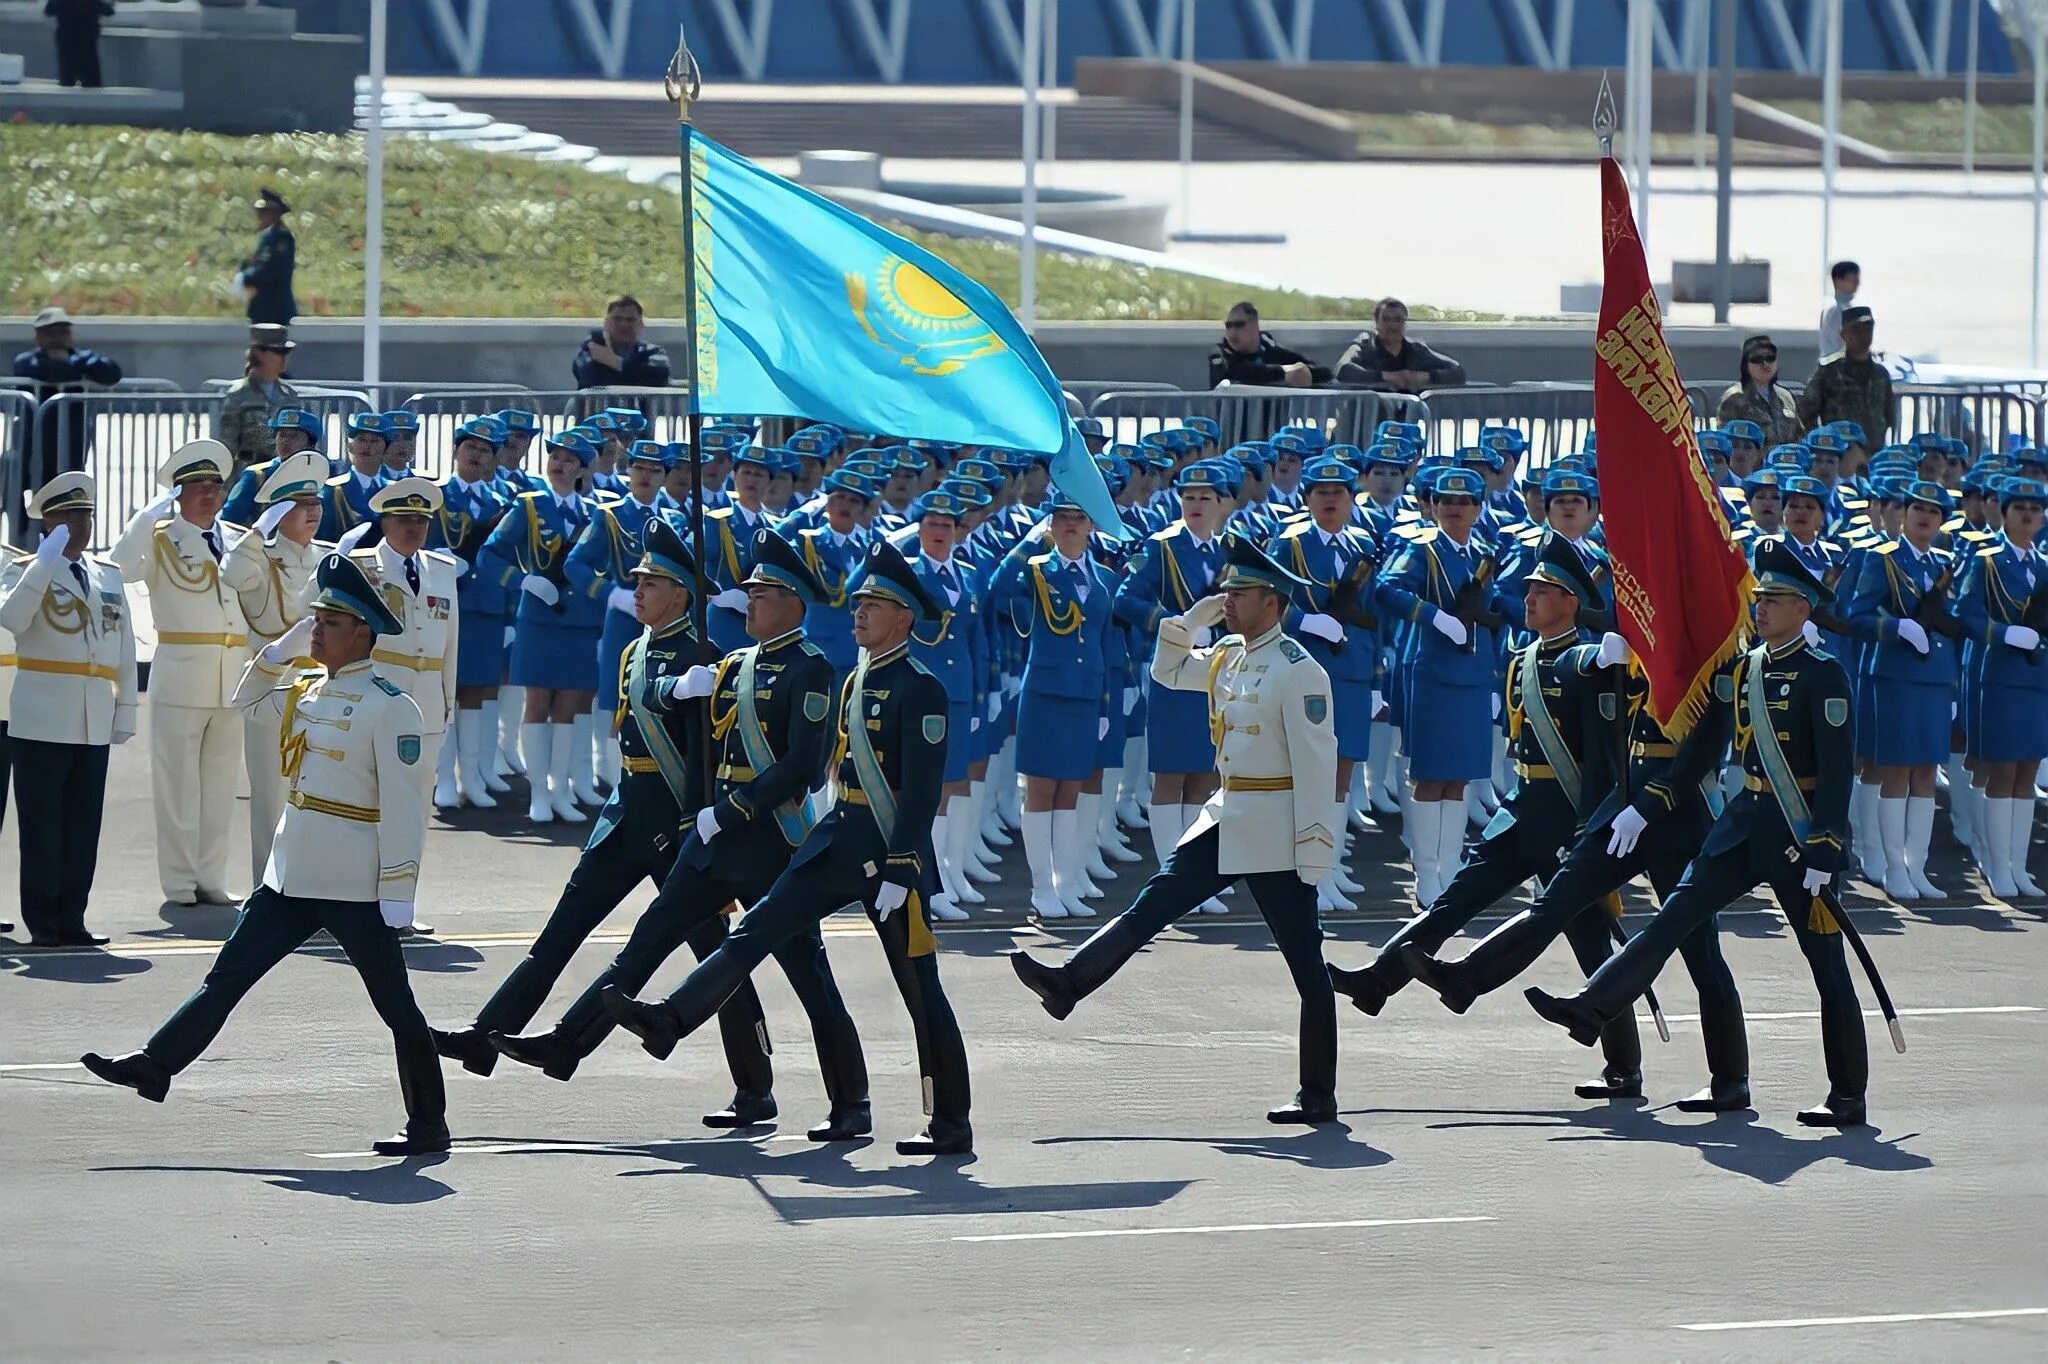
<point>58,365</point>
<point>616,355</point>
<point>1386,357</point>
<point>1247,355</point>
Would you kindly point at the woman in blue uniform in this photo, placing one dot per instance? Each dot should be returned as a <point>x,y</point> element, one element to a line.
<point>599,569</point>
<point>1061,602</point>
<point>2008,683</point>
<point>554,641</point>
<point>470,507</point>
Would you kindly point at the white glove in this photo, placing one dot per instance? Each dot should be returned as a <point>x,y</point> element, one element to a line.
<point>510,633</point>
<point>1013,687</point>
<point>1204,614</point>
<point>732,599</point>
<point>1102,729</point>
<point>1204,637</point>
<point>995,705</point>
<point>397,913</point>
<point>122,734</point>
<point>2022,636</point>
<point>1130,699</point>
<point>1628,826</point>
<point>888,899</point>
<point>1037,531</point>
<point>540,588</point>
<point>707,824</point>
<point>620,599</point>
<point>1379,705</point>
<point>162,506</point>
<point>1814,880</point>
<point>1613,650</point>
<point>1450,627</point>
<point>1325,627</point>
<point>1496,705</point>
<point>291,644</point>
<point>973,724</point>
<point>50,553</point>
<point>1914,634</point>
<point>276,512</point>
<point>350,539</point>
<point>1811,633</point>
<point>693,685</point>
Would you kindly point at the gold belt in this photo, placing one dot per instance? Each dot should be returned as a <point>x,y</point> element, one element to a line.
<point>1756,783</point>
<point>852,795</point>
<point>728,772</point>
<point>1258,783</point>
<point>639,766</point>
<point>1653,750</point>
<point>195,637</point>
<point>6,660</point>
<point>53,665</point>
<point>419,663</point>
<point>361,814</point>
<point>1535,771</point>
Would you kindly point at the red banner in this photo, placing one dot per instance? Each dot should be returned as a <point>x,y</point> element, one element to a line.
<point>1681,586</point>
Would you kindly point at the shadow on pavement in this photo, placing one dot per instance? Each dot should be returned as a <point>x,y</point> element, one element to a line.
<point>69,964</point>
<point>421,954</point>
<point>400,1182</point>
<point>1330,1147</point>
<point>210,923</point>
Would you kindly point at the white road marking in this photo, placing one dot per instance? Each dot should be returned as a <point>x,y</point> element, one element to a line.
<point>1876,1013</point>
<point>1864,1321</point>
<point>598,1148</point>
<point>1206,1231</point>
<point>42,1065</point>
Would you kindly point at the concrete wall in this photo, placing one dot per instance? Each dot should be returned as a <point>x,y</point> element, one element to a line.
<point>536,353</point>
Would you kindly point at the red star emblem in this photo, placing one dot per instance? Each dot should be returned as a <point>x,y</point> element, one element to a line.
<point>1619,226</point>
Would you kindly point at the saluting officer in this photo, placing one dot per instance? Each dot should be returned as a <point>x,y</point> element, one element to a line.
<point>271,570</point>
<point>1273,823</point>
<point>74,697</point>
<point>172,549</point>
<point>418,585</point>
<point>771,730</point>
<point>1785,827</point>
<point>873,848</point>
<point>347,853</point>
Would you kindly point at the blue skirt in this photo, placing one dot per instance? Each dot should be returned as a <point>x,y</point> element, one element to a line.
<point>1178,728</point>
<point>1056,736</point>
<point>620,630</point>
<point>480,649</point>
<point>1352,713</point>
<point>554,657</point>
<point>1451,737</point>
<point>1910,724</point>
<point>2011,725</point>
<point>962,739</point>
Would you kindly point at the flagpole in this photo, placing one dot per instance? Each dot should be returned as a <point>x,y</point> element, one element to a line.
<point>683,83</point>
<point>1027,247</point>
<point>373,210</point>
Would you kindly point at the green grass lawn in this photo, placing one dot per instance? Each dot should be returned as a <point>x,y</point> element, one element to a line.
<point>138,221</point>
<point>2003,130</point>
<point>1447,132</point>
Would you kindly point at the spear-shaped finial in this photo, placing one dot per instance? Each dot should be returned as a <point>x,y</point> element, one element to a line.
<point>684,81</point>
<point>1605,120</point>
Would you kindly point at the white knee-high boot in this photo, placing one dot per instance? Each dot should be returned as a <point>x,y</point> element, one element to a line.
<point>1962,803</point>
<point>1919,834</point>
<point>1994,847</point>
<point>512,732</point>
<point>473,764</point>
<point>1340,875</point>
<point>1129,797</point>
<point>1450,847</point>
<point>537,738</point>
<point>447,795</point>
<point>943,905</point>
<point>1168,823</point>
<point>1379,767</point>
<point>1045,899</point>
<point>1069,881</point>
<point>1088,823</point>
<point>1422,830</point>
<point>491,763</point>
<point>1891,830</point>
<point>2022,837</point>
<point>1864,832</point>
<point>960,830</point>
<point>582,781</point>
<point>563,742</point>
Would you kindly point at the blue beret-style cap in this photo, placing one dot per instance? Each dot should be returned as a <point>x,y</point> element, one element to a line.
<point>368,424</point>
<point>1826,440</point>
<point>1805,485</point>
<point>1933,494</point>
<point>1506,439</point>
<point>648,452</point>
<point>1458,481</point>
<point>1743,429</point>
<point>298,419</point>
<point>1716,443</point>
<point>1558,482</point>
<point>519,421</point>
<point>489,430</point>
<point>1479,455</point>
<point>1327,468</point>
<point>575,440</point>
<point>401,421</point>
<point>1788,457</point>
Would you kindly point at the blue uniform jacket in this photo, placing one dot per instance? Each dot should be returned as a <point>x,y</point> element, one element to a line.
<point>1890,581</point>
<point>1066,634</point>
<point>1423,576</point>
<point>535,536</point>
<point>1993,593</point>
<point>1302,550</point>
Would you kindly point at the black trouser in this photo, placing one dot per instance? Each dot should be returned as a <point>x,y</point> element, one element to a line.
<point>1710,884</point>
<point>61,791</point>
<point>1288,905</point>
<point>1492,870</point>
<point>604,876</point>
<point>78,58</point>
<point>6,767</point>
<point>790,912</point>
<point>271,927</point>
<point>688,910</point>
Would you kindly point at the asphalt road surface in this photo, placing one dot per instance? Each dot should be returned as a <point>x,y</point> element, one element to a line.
<point>1127,1199</point>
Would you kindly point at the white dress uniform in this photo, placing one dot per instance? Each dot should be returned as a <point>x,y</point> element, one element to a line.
<point>421,659</point>
<point>202,645</point>
<point>274,579</point>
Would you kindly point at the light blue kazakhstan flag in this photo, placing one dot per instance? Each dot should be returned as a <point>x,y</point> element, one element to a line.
<point>804,309</point>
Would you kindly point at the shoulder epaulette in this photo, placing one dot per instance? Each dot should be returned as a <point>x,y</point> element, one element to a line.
<point>536,492</point>
<point>1888,547</point>
<point>716,513</point>
<point>1291,651</point>
<point>918,666</point>
<point>1297,529</point>
<point>388,687</point>
<point>1166,533</point>
<point>1988,552</point>
<point>1420,535</point>
<point>341,479</point>
<point>443,555</point>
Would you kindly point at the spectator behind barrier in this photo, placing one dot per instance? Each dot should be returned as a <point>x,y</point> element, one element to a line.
<point>56,366</point>
<point>1386,357</point>
<point>616,355</point>
<point>260,394</point>
<point>1247,355</point>
<point>1845,277</point>
<point>1758,397</point>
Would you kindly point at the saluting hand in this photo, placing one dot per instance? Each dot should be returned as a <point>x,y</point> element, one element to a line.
<point>50,553</point>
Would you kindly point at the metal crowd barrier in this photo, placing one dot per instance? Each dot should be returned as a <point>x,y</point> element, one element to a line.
<point>17,444</point>
<point>1254,413</point>
<point>1986,417</point>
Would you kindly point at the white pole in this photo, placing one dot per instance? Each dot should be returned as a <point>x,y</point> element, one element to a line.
<point>1702,47</point>
<point>1027,249</point>
<point>1187,114</point>
<point>373,208</point>
<point>1830,133</point>
<point>1636,92</point>
<point>1970,94</point>
<point>1052,79</point>
<point>2039,45</point>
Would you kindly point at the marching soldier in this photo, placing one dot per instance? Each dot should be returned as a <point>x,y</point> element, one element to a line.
<point>1273,823</point>
<point>873,848</point>
<point>771,727</point>
<point>1786,828</point>
<point>74,697</point>
<point>271,570</point>
<point>418,585</point>
<point>347,853</point>
<point>172,549</point>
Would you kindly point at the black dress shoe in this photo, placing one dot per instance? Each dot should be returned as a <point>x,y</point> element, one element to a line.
<point>1720,1096</point>
<point>844,1124</point>
<point>747,1109</point>
<point>138,1070</point>
<point>1440,976</point>
<point>1361,987</point>
<point>1307,1110</point>
<point>1046,982</point>
<point>208,895</point>
<point>469,1046</point>
<point>941,1137</point>
<point>416,930</point>
<point>548,1052</point>
<point>1612,1084</point>
<point>1568,1013</point>
<point>1835,1111</point>
<point>654,1024</point>
<point>80,937</point>
<point>426,1142</point>
<point>44,939</point>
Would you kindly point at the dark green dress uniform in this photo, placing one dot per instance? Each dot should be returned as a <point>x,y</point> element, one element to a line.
<point>891,764</point>
<point>636,838</point>
<point>1559,737</point>
<point>1787,821</point>
<point>770,756</point>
